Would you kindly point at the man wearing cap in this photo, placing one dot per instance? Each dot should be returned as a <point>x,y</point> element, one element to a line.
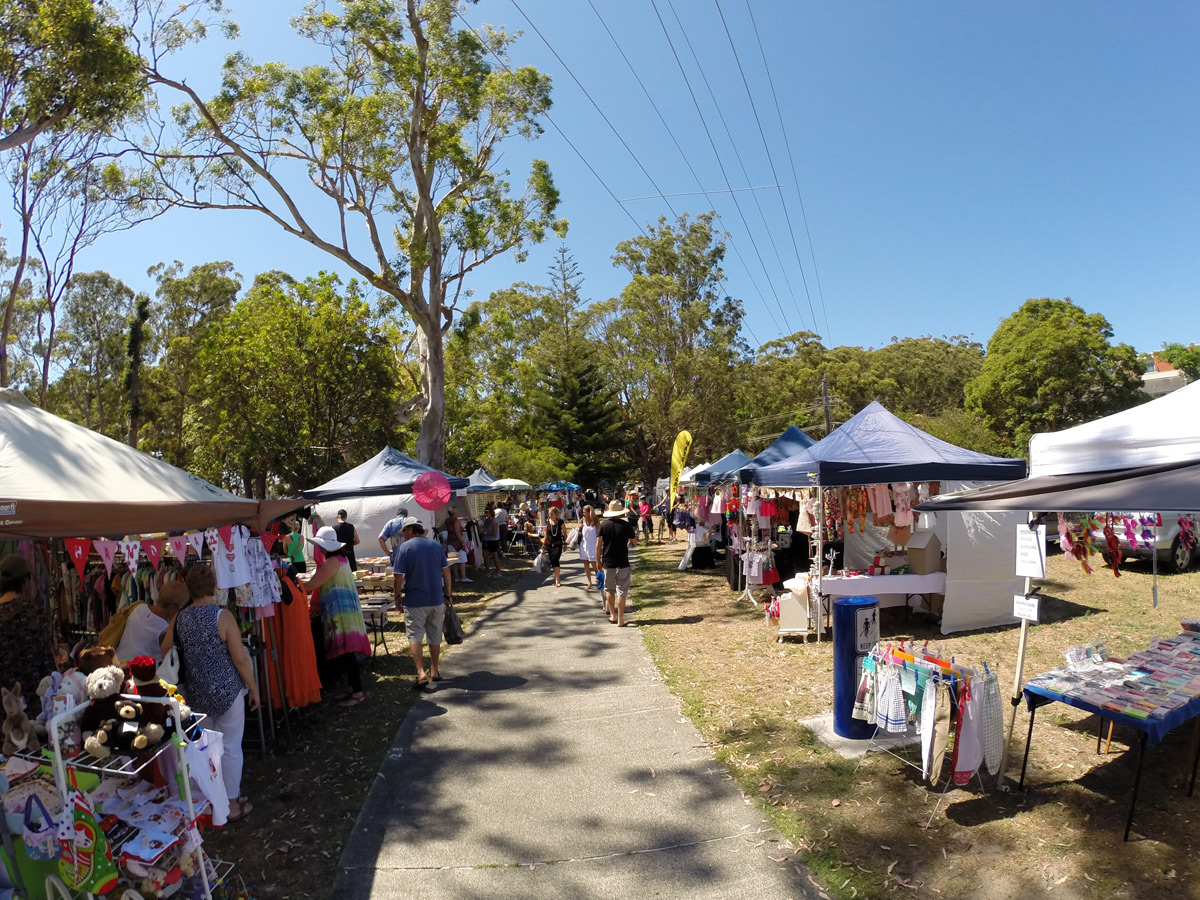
<point>613,538</point>
<point>348,535</point>
<point>422,592</point>
<point>390,540</point>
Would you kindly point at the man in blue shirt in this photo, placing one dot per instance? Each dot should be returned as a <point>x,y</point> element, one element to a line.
<point>390,540</point>
<point>422,574</point>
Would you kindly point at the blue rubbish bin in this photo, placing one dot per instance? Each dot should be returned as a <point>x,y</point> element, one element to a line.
<point>855,632</point>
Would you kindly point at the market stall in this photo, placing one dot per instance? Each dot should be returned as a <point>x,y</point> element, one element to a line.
<point>851,470</point>
<point>97,524</point>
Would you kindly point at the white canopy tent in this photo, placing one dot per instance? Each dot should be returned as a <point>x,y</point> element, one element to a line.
<point>1166,430</point>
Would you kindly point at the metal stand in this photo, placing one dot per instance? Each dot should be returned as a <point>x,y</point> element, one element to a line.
<point>1137,780</point>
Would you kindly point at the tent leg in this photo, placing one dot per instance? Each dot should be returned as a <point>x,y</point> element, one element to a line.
<point>1196,757</point>
<point>1018,681</point>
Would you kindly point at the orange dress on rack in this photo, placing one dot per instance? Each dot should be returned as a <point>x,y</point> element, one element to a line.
<point>297,658</point>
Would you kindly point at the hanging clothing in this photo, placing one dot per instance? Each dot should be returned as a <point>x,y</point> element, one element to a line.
<point>992,713</point>
<point>880,501</point>
<point>864,701</point>
<point>292,631</point>
<point>941,731</point>
<point>264,585</point>
<point>891,713</point>
<point>902,498</point>
<point>968,748</point>
<point>925,724</point>
<point>229,560</point>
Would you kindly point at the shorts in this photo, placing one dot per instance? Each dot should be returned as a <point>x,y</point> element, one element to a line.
<point>424,623</point>
<point>616,581</point>
<point>491,546</point>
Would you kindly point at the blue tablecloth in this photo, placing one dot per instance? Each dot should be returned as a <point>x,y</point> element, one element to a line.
<point>1156,729</point>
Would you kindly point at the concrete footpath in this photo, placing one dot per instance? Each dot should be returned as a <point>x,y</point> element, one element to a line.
<point>553,762</point>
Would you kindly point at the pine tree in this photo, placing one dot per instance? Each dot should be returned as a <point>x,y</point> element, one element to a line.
<point>578,414</point>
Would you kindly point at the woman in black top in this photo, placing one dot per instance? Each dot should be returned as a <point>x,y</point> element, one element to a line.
<point>553,543</point>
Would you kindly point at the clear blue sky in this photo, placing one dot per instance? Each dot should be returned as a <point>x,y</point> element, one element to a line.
<point>954,158</point>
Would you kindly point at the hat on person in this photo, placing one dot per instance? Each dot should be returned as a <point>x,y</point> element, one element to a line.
<point>403,511</point>
<point>326,539</point>
<point>615,508</point>
<point>13,567</point>
<point>414,523</point>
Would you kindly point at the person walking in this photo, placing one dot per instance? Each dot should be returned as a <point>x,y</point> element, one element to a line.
<point>348,535</point>
<point>423,576</point>
<point>491,541</point>
<point>553,542</point>
<point>333,597</point>
<point>613,538</point>
<point>501,515</point>
<point>217,675</point>
<point>587,544</point>
<point>456,541</point>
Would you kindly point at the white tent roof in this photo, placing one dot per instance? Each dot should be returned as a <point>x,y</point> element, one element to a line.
<point>1165,430</point>
<point>689,477</point>
<point>59,479</point>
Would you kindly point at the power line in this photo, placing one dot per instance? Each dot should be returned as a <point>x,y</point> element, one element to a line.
<point>704,193</point>
<point>795,178</point>
<point>736,153</point>
<point>686,162</point>
<point>770,161</point>
<point>720,163</point>
<point>612,127</point>
<point>561,133</point>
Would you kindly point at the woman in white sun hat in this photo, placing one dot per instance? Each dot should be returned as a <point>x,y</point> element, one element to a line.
<point>334,597</point>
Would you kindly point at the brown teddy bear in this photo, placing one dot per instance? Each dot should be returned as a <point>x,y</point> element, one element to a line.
<point>19,736</point>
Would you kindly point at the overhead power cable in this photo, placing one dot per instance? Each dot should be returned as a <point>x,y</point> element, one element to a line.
<point>687,162</point>
<point>770,160</point>
<point>720,163</point>
<point>596,105</point>
<point>563,135</point>
<point>795,179</point>
<point>736,152</point>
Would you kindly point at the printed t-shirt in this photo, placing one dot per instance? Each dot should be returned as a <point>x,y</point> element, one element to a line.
<point>616,533</point>
<point>393,529</point>
<point>421,561</point>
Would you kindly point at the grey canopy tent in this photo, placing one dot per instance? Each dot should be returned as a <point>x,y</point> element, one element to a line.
<point>61,480</point>
<point>481,481</point>
<point>388,472</point>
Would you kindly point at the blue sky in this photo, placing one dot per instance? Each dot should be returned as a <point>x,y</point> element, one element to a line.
<point>954,158</point>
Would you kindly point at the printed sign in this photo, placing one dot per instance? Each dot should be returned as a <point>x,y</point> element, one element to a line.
<point>1026,607</point>
<point>866,628</point>
<point>1031,551</point>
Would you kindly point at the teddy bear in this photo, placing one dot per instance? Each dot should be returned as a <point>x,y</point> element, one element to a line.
<point>146,683</point>
<point>103,686</point>
<point>134,733</point>
<point>97,657</point>
<point>101,741</point>
<point>18,732</point>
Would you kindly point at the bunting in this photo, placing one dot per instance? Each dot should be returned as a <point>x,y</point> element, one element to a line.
<point>79,548</point>
<point>153,548</point>
<point>178,545</point>
<point>108,553</point>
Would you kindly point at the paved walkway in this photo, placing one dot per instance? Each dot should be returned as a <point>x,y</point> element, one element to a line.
<point>552,762</point>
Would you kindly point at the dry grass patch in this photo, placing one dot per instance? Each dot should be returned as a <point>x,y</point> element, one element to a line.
<point>307,795</point>
<point>880,832</point>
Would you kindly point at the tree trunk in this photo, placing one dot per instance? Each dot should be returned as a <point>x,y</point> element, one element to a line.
<point>431,443</point>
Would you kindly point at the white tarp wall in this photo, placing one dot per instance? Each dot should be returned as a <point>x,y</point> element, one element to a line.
<point>1162,431</point>
<point>370,514</point>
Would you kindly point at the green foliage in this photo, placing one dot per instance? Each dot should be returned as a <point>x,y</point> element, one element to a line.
<point>533,464</point>
<point>577,412</point>
<point>965,429</point>
<point>1185,359</point>
<point>1050,365</point>
<point>671,343</point>
<point>65,65</point>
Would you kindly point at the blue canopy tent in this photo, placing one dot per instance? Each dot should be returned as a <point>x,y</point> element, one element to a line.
<point>558,486</point>
<point>724,469</point>
<point>388,472</point>
<point>481,481</point>
<point>788,444</point>
<point>876,447</point>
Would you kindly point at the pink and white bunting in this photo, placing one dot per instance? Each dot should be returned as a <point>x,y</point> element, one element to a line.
<point>108,553</point>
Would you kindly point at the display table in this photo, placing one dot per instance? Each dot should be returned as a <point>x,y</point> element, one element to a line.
<point>874,585</point>
<point>1150,730</point>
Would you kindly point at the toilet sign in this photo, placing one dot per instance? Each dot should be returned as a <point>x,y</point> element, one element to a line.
<point>1031,551</point>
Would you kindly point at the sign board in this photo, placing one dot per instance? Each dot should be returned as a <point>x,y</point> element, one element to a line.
<point>1031,551</point>
<point>1026,607</point>
<point>866,628</point>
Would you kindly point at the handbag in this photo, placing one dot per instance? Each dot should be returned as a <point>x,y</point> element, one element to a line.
<point>542,562</point>
<point>452,629</point>
<point>573,539</point>
<point>170,669</point>
<point>41,840</point>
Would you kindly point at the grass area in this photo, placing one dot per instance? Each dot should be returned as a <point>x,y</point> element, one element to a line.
<point>307,795</point>
<point>875,830</point>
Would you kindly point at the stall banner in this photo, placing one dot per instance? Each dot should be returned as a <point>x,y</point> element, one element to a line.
<point>153,548</point>
<point>679,455</point>
<point>79,548</point>
<point>210,537</point>
<point>178,544</point>
<point>225,532</point>
<point>108,553</point>
<point>132,551</point>
<point>196,541</point>
<point>268,539</point>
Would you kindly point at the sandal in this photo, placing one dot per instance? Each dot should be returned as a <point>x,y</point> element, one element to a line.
<point>420,684</point>
<point>245,807</point>
<point>351,700</point>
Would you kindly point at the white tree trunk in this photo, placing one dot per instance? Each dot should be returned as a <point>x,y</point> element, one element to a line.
<point>431,443</point>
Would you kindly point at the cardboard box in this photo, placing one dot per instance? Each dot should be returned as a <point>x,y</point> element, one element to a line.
<point>924,553</point>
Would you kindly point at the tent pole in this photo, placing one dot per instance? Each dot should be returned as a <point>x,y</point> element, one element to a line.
<point>1018,685</point>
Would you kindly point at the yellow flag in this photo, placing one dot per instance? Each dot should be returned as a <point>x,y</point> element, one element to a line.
<point>679,456</point>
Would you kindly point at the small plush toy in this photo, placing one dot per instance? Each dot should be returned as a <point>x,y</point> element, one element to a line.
<point>97,657</point>
<point>103,686</point>
<point>100,742</point>
<point>18,732</point>
<point>134,733</point>
<point>144,672</point>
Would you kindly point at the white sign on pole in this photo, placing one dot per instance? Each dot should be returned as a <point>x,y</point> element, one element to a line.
<point>1031,551</point>
<point>1026,607</point>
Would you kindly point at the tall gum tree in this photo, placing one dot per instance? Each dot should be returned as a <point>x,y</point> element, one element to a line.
<point>399,136</point>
